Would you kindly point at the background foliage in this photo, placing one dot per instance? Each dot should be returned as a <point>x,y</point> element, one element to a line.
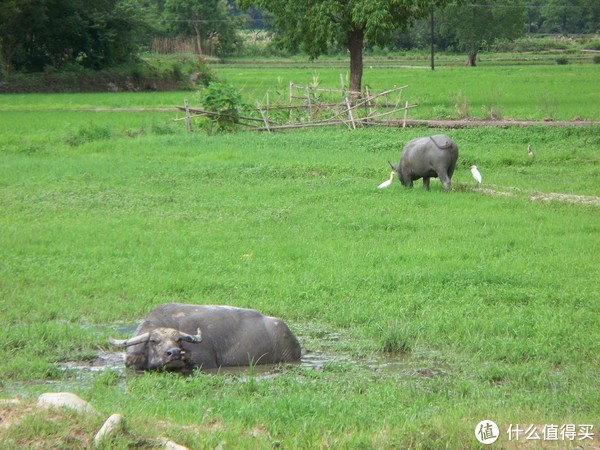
<point>35,35</point>
<point>38,34</point>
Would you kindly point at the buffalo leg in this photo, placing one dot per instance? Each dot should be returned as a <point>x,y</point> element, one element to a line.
<point>445,181</point>
<point>426,183</point>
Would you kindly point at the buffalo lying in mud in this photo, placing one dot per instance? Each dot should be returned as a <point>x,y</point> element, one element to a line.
<point>427,157</point>
<point>180,337</point>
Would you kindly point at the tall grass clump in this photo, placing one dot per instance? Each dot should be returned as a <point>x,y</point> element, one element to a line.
<point>396,337</point>
<point>89,133</point>
<point>461,105</point>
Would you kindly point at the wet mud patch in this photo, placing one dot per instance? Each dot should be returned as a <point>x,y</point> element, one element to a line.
<point>504,191</point>
<point>565,198</point>
<point>101,362</point>
<point>324,349</point>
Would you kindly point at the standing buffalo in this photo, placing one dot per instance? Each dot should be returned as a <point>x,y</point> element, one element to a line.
<point>182,337</point>
<point>426,157</point>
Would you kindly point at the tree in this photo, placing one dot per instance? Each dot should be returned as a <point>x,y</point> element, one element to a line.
<point>35,34</point>
<point>312,26</point>
<point>571,16</point>
<point>10,11</point>
<point>203,19</point>
<point>472,23</point>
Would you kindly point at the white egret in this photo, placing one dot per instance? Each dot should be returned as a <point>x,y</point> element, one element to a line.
<point>530,152</point>
<point>387,183</point>
<point>476,174</point>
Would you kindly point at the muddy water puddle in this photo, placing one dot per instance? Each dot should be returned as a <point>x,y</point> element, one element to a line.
<point>322,352</point>
<point>420,365</point>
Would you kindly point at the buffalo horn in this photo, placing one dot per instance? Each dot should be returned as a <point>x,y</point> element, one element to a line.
<point>189,338</point>
<point>127,342</point>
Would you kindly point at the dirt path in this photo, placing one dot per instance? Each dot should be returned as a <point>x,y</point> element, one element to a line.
<point>540,196</point>
<point>467,123</point>
<point>433,123</point>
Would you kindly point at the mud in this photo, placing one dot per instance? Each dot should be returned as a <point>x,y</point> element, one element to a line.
<point>498,191</point>
<point>322,351</point>
<point>381,365</point>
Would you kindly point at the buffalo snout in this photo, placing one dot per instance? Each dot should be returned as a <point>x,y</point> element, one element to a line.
<point>175,353</point>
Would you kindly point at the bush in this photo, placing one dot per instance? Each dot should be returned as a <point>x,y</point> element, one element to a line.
<point>89,133</point>
<point>534,44</point>
<point>596,59</point>
<point>224,100</point>
<point>145,75</point>
<point>594,45</point>
<point>562,61</point>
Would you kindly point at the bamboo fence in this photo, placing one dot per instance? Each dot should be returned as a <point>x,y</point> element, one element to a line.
<point>353,111</point>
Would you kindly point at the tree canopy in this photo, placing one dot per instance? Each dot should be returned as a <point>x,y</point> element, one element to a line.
<point>206,20</point>
<point>471,23</point>
<point>314,25</point>
<point>569,16</point>
<point>40,33</point>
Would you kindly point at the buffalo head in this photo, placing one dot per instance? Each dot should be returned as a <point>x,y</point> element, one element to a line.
<point>396,168</point>
<point>159,348</point>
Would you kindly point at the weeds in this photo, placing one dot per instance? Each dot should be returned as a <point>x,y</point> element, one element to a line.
<point>492,109</point>
<point>89,133</point>
<point>396,337</point>
<point>549,106</point>
<point>461,105</point>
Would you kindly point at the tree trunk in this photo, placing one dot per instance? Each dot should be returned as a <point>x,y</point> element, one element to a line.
<point>198,41</point>
<point>355,46</point>
<point>472,59</point>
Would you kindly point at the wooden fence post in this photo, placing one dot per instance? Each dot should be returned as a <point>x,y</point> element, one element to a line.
<point>350,114</point>
<point>188,122</point>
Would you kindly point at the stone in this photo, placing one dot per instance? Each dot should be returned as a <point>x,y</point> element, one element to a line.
<point>65,400</point>
<point>112,426</point>
<point>170,445</point>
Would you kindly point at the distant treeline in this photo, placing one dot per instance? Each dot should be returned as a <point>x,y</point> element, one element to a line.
<point>58,34</point>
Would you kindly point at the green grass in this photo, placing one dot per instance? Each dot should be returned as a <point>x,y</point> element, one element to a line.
<point>548,92</point>
<point>528,92</point>
<point>53,102</point>
<point>488,303</point>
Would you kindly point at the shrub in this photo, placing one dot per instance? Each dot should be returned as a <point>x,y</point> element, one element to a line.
<point>89,133</point>
<point>596,59</point>
<point>562,61</point>
<point>594,45</point>
<point>224,100</point>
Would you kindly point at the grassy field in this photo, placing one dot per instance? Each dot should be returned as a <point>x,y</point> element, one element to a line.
<point>561,93</point>
<point>529,92</point>
<point>428,312</point>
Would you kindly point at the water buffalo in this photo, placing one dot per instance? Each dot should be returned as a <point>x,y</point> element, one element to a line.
<point>426,157</point>
<point>180,337</point>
